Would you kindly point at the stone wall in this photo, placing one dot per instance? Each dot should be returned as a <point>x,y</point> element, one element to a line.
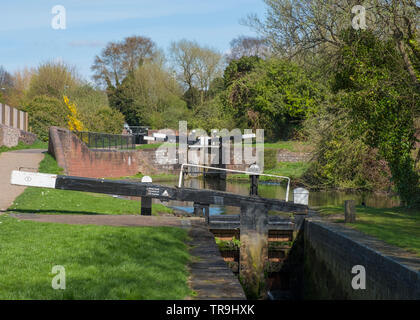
<point>331,251</point>
<point>289,156</point>
<point>10,136</point>
<point>78,160</point>
<point>149,163</point>
<point>27,137</point>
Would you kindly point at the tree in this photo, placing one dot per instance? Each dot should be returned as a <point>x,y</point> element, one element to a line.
<point>244,46</point>
<point>21,82</point>
<point>274,94</point>
<point>238,68</point>
<point>6,79</point>
<point>184,54</point>
<point>196,67</point>
<point>380,104</point>
<point>305,28</point>
<point>118,59</point>
<point>156,97</point>
<point>52,79</point>
<point>6,83</point>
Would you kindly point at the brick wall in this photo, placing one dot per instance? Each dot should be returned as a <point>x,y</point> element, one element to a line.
<point>331,251</point>
<point>78,160</point>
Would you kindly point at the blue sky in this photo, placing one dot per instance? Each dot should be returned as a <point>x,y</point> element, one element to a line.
<point>27,38</point>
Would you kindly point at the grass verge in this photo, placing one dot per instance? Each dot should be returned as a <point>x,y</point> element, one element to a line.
<point>53,201</point>
<point>100,262</point>
<point>294,170</point>
<point>155,177</point>
<point>36,145</point>
<point>396,226</point>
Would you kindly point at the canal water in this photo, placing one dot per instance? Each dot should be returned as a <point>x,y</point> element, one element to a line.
<point>277,190</point>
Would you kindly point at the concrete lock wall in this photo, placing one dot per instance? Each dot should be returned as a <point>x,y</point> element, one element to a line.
<point>330,253</point>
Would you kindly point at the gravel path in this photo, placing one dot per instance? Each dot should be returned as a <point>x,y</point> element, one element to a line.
<point>13,160</point>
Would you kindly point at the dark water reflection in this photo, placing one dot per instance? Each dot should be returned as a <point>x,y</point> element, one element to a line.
<point>278,191</point>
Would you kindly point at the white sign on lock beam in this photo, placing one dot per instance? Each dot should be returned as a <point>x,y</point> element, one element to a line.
<point>301,196</point>
<point>159,135</point>
<point>33,179</point>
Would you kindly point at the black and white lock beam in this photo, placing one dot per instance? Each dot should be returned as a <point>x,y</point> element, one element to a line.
<point>156,191</point>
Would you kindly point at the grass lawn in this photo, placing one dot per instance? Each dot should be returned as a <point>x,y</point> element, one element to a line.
<point>396,226</point>
<point>53,201</point>
<point>294,170</point>
<point>100,262</point>
<point>155,177</point>
<point>156,145</point>
<point>293,146</point>
<point>36,145</point>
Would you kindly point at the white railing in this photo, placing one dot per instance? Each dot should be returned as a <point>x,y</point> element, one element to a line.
<point>181,175</point>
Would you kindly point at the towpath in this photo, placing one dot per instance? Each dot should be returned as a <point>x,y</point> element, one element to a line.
<point>13,160</point>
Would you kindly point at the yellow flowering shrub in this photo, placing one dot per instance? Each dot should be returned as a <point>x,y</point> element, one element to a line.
<point>73,122</point>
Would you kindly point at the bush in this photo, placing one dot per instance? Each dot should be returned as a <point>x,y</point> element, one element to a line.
<point>270,159</point>
<point>53,80</point>
<point>95,113</point>
<point>107,120</point>
<point>45,112</point>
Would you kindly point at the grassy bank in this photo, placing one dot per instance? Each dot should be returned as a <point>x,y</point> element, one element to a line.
<point>100,262</point>
<point>53,201</point>
<point>155,145</point>
<point>36,145</point>
<point>294,170</point>
<point>155,177</point>
<point>396,226</point>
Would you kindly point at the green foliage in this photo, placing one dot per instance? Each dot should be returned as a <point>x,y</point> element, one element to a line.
<point>192,97</point>
<point>49,165</point>
<point>121,100</point>
<point>380,104</point>
<point>343,160</point>
<point>52,80</point>
<point>238,68</point>
<point>270,159</point>
<point>210,116</point>
<point>227,245</point>
<point>149,96</point>
<point>273,96</point>
<point>106,120</point>
<point>44,112</point>
<point>95,113</point>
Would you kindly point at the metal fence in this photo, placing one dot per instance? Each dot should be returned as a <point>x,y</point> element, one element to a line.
<point>139,132</point>
<point>96,140</point>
